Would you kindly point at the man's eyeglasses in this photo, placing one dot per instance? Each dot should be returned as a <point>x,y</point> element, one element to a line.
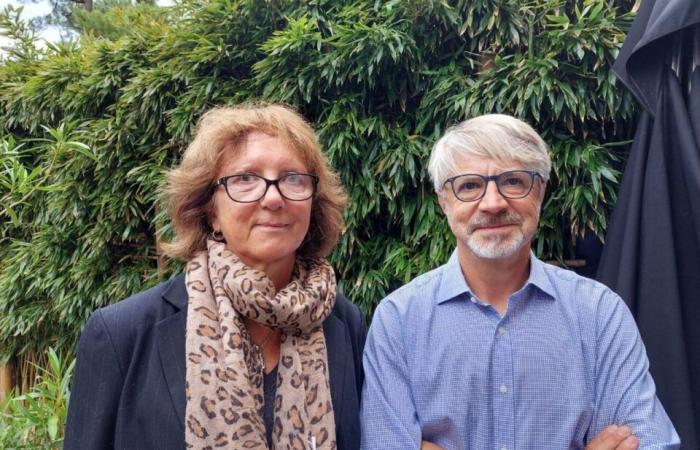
<point>249,188</point>
<point>513,184</point>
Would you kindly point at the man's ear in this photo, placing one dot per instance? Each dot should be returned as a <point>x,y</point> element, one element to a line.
<point>442,200</point>
<point>543,190</point>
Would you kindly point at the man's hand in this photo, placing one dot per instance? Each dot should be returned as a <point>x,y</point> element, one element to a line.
<point>425,445</point>
<point>614,437</point>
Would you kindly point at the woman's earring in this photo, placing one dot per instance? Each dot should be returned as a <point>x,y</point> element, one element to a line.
<point>218,236</point>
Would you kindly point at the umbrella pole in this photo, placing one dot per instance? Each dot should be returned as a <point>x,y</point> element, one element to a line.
<point>696,47</point>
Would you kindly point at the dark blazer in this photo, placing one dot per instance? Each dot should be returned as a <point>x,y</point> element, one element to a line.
<point>129,386</point>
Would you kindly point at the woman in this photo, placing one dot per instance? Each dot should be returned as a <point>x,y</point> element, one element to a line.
<point>251,347</point>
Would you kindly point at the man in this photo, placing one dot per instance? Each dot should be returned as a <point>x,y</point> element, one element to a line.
<point>495,349</point>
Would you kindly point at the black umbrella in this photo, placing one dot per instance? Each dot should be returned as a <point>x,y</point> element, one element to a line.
<point>652,251</point>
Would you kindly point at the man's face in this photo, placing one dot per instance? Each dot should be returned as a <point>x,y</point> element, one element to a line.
<point>492,227</point>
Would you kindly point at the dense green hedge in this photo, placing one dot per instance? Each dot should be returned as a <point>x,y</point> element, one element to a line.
<point>88,129</point>
<point>36,418</point>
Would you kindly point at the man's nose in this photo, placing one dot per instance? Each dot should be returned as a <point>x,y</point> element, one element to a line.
<point>492,201</point>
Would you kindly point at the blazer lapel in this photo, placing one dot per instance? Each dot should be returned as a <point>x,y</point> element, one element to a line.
<point>170,336</point>
<point>335,334</point>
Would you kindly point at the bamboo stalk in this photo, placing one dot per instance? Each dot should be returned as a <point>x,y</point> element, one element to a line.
<point>28,369</point>
<point>6,381</point>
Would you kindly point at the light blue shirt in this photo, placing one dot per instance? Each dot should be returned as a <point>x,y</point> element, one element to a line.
<point>563,362</point>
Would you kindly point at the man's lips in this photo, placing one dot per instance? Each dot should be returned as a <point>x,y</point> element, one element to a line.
<point>495,226</point>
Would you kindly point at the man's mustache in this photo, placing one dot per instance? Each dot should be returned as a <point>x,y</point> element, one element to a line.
<point>489,220</point>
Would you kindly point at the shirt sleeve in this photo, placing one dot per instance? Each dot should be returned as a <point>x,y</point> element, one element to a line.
<point>387,413</point>
<point>625,393</point>
<point>95,390</point>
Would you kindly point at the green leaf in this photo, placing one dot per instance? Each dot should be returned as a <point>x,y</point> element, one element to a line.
<point>53,427</point>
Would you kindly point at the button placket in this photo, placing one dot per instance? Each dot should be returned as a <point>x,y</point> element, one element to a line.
<point>503,403</point>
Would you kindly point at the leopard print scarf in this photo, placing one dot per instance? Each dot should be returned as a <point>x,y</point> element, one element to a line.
<point>224,372</point>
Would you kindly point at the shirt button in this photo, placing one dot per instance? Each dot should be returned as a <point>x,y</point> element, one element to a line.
<point>501,331</point>
<point>503,389</point>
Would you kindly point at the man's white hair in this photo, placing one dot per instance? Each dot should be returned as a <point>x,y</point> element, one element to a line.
<point>502,138</point>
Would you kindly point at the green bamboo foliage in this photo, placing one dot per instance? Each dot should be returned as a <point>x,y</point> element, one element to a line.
<point>88,129</point>
<point>36,419</point>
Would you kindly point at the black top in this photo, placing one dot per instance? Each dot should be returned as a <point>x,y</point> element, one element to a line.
<point>269,391</point>
<point>129,386</point>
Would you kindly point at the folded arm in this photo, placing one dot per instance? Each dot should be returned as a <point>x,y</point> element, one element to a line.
<point>625,394</point>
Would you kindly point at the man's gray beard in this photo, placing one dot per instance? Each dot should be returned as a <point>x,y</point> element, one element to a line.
<point>496,246</point>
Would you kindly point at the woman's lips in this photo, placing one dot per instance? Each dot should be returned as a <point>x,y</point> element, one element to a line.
<point>272,225</point>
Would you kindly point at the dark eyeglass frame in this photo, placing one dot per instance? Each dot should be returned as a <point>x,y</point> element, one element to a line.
<point>223,182</point>
<point>495,179</point>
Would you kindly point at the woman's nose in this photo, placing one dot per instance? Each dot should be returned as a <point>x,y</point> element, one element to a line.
<point>273,198</point>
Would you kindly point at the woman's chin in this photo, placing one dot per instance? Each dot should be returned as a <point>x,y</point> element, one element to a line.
<point>268,255</point>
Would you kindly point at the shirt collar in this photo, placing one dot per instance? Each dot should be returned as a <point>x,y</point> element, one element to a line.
<point>538,277</point>
<point>453,283</point>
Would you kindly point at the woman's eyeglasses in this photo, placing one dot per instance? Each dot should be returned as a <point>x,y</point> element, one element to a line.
<point>248,188</point>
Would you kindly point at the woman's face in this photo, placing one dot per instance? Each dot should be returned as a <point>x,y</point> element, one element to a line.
<point>271,229</point>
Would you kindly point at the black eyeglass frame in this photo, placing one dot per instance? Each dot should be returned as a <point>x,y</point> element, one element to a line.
<point>223,182</point>
<point>495,178</point>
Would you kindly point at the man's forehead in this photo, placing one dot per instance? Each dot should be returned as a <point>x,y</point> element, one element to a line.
<point>484,165</point>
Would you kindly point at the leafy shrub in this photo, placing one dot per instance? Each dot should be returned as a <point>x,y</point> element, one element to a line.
<point>90,127</point>
<point>37,418</point>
